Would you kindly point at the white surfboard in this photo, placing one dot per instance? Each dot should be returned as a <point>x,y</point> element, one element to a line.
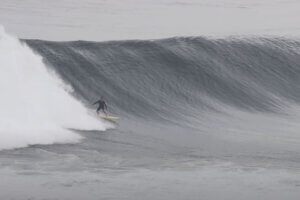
<point>103,116</point>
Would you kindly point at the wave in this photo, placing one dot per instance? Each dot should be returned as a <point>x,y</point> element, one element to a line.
<point>36,107</point>
<point>167,80</point>
<point>177,76</point>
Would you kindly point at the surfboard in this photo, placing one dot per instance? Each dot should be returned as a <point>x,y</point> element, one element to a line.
<point>108,117</point>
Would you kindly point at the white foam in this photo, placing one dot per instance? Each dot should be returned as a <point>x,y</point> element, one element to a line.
<point>34,106</point>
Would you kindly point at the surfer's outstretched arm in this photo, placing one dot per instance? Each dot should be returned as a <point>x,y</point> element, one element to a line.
<point>96,102</point>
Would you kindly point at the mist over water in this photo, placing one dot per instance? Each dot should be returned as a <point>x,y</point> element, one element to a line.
<point>36,107</point>
<point>102,20</point>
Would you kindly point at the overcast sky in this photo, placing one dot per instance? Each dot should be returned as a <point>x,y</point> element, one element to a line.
<point>147,19</point>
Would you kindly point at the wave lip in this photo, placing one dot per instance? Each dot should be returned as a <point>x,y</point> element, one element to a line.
<point>35,107</point>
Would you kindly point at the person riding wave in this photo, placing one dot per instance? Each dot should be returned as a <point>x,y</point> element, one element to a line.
<point>102,105</point>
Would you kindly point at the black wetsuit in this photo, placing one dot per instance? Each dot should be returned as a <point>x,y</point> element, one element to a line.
<point>102,105</point>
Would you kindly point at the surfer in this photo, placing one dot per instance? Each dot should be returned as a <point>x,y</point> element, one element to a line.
<point>102,105</point>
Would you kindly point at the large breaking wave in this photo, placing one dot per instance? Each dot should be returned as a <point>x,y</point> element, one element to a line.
<point>168,80</point>
<point>237,89</point>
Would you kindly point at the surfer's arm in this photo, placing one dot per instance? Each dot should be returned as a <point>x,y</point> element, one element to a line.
<point>105,106</point>
<point>96,102</point>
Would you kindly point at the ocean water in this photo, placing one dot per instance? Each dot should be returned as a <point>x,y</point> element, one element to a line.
<point>200,118</point>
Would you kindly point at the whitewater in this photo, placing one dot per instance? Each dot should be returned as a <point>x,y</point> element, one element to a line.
<point>36,105</point>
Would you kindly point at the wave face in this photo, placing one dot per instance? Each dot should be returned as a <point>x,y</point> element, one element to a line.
<point>174,77</point>
<point>36,107</point>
